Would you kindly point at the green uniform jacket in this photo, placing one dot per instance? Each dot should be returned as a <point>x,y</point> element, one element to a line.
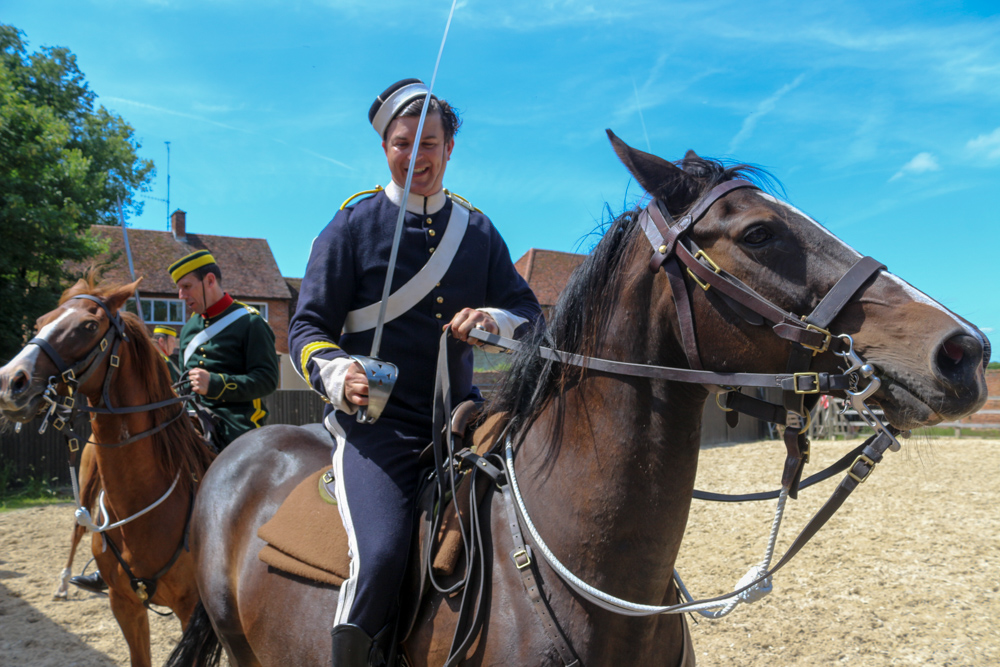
<point>243,367</point>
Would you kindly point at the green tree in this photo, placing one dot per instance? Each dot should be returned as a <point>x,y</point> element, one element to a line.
<point>63,165</point>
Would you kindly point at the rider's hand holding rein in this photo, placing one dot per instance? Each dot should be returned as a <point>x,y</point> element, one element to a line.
<point>465,320</point>
<point>468,319</point>
<point>200,378</point>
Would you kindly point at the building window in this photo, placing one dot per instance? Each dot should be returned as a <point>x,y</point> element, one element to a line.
<point>260,306</point>
<point>159,311</point>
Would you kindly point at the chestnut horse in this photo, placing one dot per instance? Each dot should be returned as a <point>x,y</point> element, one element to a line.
<point>606,462</point>
<point>133,380</point>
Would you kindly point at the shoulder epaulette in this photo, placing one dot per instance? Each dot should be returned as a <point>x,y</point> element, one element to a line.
<point>250,309</point>
<point>462,201</point>
<point>378,188</point>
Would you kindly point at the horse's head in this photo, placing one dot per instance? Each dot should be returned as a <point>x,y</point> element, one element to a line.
<point>930,360</point>
<point>73,331</point>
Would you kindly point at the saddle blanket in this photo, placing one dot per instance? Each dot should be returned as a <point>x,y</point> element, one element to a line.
<point>306,536</point>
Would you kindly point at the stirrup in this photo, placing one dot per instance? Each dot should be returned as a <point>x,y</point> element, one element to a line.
<point>381,377</point>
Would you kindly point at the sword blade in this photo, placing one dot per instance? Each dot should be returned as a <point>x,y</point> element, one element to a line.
<point>128,254</point>
<point>380,324</point>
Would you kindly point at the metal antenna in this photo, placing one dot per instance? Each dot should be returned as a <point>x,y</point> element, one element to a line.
<point>168,184</point>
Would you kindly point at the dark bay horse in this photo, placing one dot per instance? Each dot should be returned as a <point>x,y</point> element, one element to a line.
<point>606,463</point>
<point>135,475</point>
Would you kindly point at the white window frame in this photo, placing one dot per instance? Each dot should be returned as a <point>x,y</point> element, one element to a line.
<point>149,308</point>
<point>260,306</point>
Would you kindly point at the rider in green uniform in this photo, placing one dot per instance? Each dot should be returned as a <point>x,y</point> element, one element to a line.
<point>227,349</point>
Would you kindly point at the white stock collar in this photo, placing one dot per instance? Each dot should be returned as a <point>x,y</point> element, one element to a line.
<point>415,203</point>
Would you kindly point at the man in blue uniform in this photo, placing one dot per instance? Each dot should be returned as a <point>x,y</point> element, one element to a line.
<point>453,270</point>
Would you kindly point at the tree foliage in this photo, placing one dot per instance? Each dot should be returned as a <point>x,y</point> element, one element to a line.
<point>63,165</point>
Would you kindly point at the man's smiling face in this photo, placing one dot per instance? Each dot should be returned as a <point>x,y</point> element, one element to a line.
<point>432,157</point>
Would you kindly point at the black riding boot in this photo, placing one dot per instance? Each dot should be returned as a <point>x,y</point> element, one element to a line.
<point>351,646</point>
<point>93,582</point>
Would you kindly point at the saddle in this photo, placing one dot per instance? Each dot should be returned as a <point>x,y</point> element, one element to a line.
<point>306,536</point>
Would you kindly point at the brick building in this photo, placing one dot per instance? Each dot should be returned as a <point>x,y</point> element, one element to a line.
<point>547,272</point>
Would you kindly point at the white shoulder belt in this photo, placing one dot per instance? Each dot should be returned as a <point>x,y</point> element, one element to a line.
<point>407,296</point>
<point>207,334</point>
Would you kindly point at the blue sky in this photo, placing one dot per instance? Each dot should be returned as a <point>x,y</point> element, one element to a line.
<point>882,120</point>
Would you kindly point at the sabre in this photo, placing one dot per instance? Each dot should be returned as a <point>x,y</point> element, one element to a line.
<point>128,254</point>
<point>382,374</point>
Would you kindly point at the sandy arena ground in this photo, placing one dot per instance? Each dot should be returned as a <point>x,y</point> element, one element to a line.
<point>905,574</point>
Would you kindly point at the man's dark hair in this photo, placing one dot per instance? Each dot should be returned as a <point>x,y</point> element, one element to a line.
<point>203,271</point>
<point>449,114</point>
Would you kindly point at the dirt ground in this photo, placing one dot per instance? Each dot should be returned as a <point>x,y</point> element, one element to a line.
<point>905,574</point>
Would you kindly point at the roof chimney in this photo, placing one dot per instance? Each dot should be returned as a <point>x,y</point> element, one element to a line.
<point>178,221</point>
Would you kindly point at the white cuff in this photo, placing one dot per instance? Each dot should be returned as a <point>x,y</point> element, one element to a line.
<point>507,321</point>
<point>333,373</point>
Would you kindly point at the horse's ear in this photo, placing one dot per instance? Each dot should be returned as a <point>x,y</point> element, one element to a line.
<point>116,299</point>
<point>660,178</point>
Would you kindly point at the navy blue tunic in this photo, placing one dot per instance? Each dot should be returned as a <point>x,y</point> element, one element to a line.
<point>346,271</point>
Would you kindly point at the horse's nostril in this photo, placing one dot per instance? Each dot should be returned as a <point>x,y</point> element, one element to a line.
<point>952,352</point>
<point>957,354</point>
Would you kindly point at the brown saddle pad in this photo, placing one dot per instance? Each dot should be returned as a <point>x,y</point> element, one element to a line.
<point>306,536</point>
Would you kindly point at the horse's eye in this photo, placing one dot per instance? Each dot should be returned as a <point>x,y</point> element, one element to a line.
<point>90,327</point>
<point>757,236</point>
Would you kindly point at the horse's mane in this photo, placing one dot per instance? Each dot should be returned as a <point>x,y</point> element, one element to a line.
<point>580,318</point>
<point>178,446</point>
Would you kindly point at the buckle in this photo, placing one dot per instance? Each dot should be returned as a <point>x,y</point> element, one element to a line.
<point>861,459</point>
<point>712,265</point>
<point>59,423</point>
<point>74,445</point>
<point>104,344</point>
<point>115,360</point>
<point>521,553</point>
<point>68,376</point>
<point>826,342</point>
<point>327,477</point>
<point>813,376</point>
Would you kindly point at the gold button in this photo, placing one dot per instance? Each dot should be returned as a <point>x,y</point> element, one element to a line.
<point>439,284</point>
<point>440,299</point>
<point>431,232</point>
<point>430,221</point>
<point>432,250</point>
<point>201,363</point>
<point>437,315</point>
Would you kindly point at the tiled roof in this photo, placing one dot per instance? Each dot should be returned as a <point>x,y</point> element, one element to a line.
<point>248,267</point>
<point>294,286</point>
<point>547,272</point>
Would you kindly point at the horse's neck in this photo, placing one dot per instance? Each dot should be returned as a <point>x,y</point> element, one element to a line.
<point>130,475</point>
<point>612,497</point>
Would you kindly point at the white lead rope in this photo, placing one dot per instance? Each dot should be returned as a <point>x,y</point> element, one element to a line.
<point>624,607</point>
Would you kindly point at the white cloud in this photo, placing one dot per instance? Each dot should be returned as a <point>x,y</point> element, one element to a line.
<point>986,144</point>
<point>920,164</point>
<point>764,108</point>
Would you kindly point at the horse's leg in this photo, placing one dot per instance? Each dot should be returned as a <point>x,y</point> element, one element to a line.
<point>89,483</point>
<point>134,622</point>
